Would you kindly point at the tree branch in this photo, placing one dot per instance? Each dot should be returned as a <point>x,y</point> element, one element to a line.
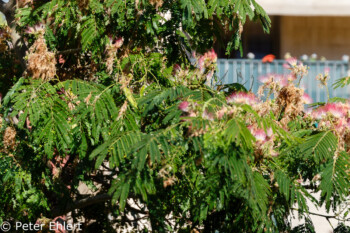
<point>323,215</point>
<point>136,210</point>
<point>8,9</point>
<point>88,201</point>
<point>82,203</point>
<point>69,51</point>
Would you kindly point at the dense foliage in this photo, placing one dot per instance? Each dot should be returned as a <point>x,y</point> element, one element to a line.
<point>113,119</point>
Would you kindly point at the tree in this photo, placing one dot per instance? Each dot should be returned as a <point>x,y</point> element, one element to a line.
<point>116,96</point>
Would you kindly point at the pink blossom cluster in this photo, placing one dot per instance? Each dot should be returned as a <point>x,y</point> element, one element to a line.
<point>291,62</point>
<point>306,99</point>
<point>296,67</point>
<point>281,79</point>
<point>115,43</point>
<point>204,73</point>
<point>207,59</point>
<point>264,140</point>
<point>192,110</point>
<point>274,83</point>
<point>260,134</point>
<point>336,110</point>
<point>336,117</point>
<point>38,28</point>
<point>184,106</point>
<point>242,98</point>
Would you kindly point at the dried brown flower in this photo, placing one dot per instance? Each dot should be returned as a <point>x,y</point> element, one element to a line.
<point>23,3</point>
<point>71,99</point>
<point>87,99</point>
<point>289,101</point>
<point>156,3</point>
<point>169,182</point>
<point>5,36</point>
<point>110,61</point>
<point>83,4</point>
<point>111,52</point>
<point>9,139</point>
<point>41,62</point>
<point>264,108</point>
<point>123,110</point>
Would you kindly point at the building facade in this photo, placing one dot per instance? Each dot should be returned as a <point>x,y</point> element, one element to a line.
<point>301,27</point>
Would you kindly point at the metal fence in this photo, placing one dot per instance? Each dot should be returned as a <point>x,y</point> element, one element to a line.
<point>247,72</point>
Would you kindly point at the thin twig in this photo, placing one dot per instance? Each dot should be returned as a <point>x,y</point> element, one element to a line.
<point>69,51</point>
<point>324,216</point>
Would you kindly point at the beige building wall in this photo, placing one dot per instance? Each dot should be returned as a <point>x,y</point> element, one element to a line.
<point>326,36</point>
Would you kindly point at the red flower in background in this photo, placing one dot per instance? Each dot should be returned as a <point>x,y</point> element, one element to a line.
<point>268,58</point>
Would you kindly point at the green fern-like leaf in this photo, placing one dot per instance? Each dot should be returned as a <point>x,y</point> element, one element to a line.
<point>342,82</point>
<point>154,145</point>
<point>236,131</point>
<point>322,146</point>
<point>156,98</point>
<point>118,147</point>
<point>90,32</point>
<point>40,103</point>
<point>335,181</point>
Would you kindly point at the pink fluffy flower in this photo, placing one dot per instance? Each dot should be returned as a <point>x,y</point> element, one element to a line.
<point>207,59</point>
<point>208,115</point>
<point>281,80</point>
<point>306,99</point>
<point>116,43</point>
<point>220,114</point>
<point>212,56</point>
<point>319,113</point>
<point>242,98</point>
<point>326,70</point>
<point>259,134</point>
<point>35,28</point>
<point>341,125</point>
<point>119,42</point>
<point>338,110</point>
<point>290,77</point>
<point>184,106</point>
<point>290,62</point>
<point>266,79</point>
<point>61,60</point>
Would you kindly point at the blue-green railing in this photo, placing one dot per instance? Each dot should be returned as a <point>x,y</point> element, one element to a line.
<point>248,71</point>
